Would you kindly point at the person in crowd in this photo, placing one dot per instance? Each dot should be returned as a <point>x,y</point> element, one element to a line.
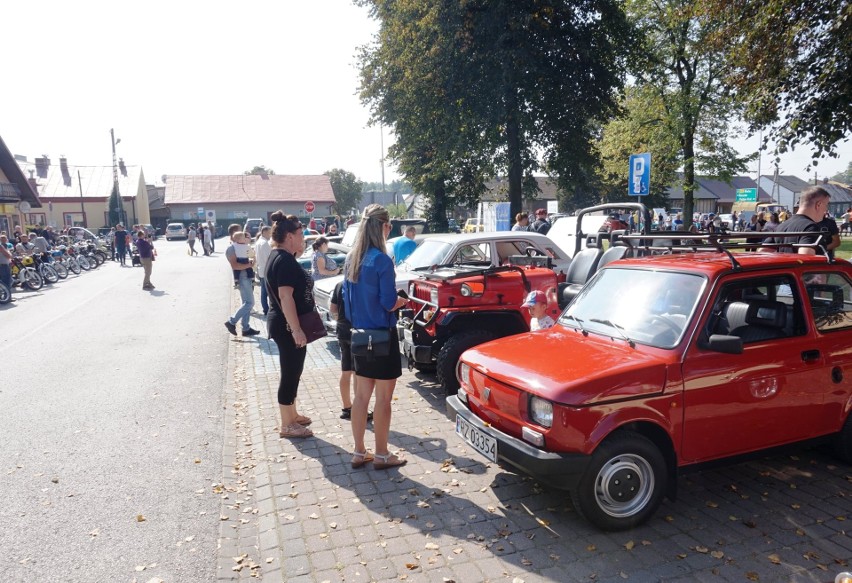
<point>337,309</point>
<point>536,303</point>
<point>291,291</point>
<point>121,244</point>
<point>244,284</point>
<point>522,222</point>
<point>146,255</point>
<point>829,225</point>
<point>110,241</point>
<point>783,215</point>
<point>262,251</point>
<point>405,245</point>
<point>212,229</point>
<point>24,247</point>
<point>39,243</point>
<point>541,224</point>
<point>332,230</point>
<point>772,224</point>
<point>371,300</point>
<point>191,235</point>
<point>813,204</point>
<point>241,252</point>
<point>5,261</point>
<point>322,265</point>
<point>208,239</point>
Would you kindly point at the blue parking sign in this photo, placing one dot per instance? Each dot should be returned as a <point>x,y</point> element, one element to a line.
<point>639,181</point>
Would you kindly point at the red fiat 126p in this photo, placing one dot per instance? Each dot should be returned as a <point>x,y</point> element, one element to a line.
<point>662,363</point>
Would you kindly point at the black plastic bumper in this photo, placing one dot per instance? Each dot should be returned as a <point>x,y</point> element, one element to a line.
<point>421,354</point>
<point>558,470</point>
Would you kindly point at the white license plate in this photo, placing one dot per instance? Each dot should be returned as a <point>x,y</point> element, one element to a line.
<point>484,444</point>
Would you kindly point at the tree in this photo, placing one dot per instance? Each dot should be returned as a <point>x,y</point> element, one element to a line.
<point>478,88</point>
<point>789,65</point>
<point>347,190</point>
<point>114,208</point>
<point>683,69</point>
<point>845,177</point>
<point>261,170</point>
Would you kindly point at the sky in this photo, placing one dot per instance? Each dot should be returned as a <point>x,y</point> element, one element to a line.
<point>207,87</point>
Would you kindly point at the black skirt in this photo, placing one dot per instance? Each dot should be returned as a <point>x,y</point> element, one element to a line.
<point>383,368</point>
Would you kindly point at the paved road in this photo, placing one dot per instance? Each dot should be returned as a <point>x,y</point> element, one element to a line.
<point>112,424</point>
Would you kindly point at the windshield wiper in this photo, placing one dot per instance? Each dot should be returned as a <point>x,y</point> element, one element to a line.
<point>579,323</point>
<point>618,328</point>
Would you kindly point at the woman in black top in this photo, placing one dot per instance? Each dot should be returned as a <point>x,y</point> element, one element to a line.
<point>291,291</point>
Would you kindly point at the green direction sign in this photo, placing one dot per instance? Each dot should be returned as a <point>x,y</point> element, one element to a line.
<point>746,195</point>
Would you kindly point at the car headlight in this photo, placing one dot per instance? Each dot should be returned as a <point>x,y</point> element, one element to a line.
<point>541,411</point>
<point>411,290</point>
<point>433,296</point>
<point>463,373</point>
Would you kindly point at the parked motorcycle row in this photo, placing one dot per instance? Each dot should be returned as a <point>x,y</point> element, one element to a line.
<point>39,269</point>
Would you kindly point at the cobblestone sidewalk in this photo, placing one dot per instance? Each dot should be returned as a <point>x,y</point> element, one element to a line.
<point>296,511</point>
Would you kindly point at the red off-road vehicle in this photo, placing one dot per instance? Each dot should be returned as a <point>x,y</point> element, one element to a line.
<point>456,307</point>
<point>662,364</point>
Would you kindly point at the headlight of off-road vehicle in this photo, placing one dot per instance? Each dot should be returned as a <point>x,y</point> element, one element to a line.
<point>472,290</point>
<point>433,296</point>
<point>541,411</point>
<point>411,290</point>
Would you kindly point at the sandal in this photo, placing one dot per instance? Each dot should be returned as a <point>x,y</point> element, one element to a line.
<point>302,420</point>
<point>391,460</point>
<point>361,458</point>
<point>295,430</point>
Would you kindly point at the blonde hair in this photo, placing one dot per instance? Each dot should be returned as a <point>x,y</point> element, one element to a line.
<point>370,234</point>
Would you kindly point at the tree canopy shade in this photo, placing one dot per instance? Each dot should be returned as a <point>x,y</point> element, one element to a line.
<point>679,79</point>
<point>789,64</point>
<point>114,206</point>
<point>845,177</point>
<point>259,170</point>
<point>479,88</point>
<point>347,190</point>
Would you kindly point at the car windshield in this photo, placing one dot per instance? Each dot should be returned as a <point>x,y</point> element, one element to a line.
<point>636,305</point>
<point>427,254</point>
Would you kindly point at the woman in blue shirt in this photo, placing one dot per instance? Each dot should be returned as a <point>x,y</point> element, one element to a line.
<point>371,300</point>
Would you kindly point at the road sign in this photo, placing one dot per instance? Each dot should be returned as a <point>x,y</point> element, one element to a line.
<point>746,195</point>
<point>310,206</point>
<point>211,216</point>
<point>639,181</point>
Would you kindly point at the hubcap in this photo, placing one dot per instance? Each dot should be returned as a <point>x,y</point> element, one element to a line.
<point>624,485</point>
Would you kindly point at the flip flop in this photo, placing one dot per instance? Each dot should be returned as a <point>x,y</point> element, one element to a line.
<point>302,420</point>
<point>361,458</point>
<point>391,460</point>
<point>295,430</point>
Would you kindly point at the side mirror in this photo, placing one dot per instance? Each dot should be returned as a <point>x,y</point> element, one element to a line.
<point>725,344</point>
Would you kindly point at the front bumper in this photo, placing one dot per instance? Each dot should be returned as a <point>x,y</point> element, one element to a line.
<point>558,470</point>
<point>419,353</point>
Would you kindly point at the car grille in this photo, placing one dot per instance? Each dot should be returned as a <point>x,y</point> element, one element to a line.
<point>422,292</point>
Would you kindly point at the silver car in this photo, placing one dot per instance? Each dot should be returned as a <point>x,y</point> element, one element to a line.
<point>175,231</point>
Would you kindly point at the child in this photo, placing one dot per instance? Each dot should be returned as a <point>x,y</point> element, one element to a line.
<point>241,251</point>
<point>536,301</point>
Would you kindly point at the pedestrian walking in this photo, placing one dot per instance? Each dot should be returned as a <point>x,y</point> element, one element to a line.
<point>208,240</point>
<point>291,289</point>
<point>190,240</point>
<point>5,261</point>
<point>245,285</point>
<point>146,256</point>
<point>262,251</point>
<point>212,228</point>
<point>121,244</point>
<point>370,296</point>
<point>813,203</point>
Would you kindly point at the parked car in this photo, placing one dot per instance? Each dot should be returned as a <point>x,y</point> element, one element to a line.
<point>473,226</point>
<point>453,226</point>
<point>446,249</point>
<point>663,364</point>
<point>613,222</point>
<point>336,251</point>
<point>151,231</point>
<point>252,226</point>
<point>81,234</point>
<point>397,228</point>
<point>175,231</point>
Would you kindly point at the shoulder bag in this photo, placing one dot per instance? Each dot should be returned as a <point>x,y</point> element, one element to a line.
<point>311,322</point>
<point>370,342</point>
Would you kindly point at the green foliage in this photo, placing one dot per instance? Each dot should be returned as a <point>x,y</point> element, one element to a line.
<point>398,210</point>
<point>845,177</point>
<point>680,108</point>
<point>347,190</point>
<point>474,89</point>
<point>397,186</point>
<point>259,170</point>
<point>789,64</point>
<point>114,207</point>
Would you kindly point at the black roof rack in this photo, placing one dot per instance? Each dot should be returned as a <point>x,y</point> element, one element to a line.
<point>683,241</point>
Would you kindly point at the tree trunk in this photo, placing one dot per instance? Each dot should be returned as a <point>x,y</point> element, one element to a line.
<point>688,176</point>
<point>438,210</point>
<point>513,148</point>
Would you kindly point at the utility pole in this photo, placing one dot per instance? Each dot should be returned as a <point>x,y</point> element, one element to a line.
<point>122,219</point>
<point>382,142</point>
<point>82,208</point>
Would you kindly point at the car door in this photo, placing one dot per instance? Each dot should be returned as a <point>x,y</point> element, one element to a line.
<point>770,394</point>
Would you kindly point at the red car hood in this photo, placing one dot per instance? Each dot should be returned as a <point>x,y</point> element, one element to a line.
<point>564,366</point>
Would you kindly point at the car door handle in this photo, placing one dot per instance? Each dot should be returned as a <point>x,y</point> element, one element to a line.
<point>810,355</point>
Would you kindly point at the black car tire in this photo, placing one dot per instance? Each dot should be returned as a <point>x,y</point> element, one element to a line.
<point>450,353</point>
<point>623,484</point>
<point>843,441</point>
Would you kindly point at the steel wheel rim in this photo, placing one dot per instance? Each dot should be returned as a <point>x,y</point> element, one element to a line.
<point>631,476</point>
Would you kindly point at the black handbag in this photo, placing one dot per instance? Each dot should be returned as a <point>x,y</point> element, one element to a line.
<point>312,326</point>
<point>371,341</point>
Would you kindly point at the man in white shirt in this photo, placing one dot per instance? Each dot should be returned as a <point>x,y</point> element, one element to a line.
<point>262,249</point>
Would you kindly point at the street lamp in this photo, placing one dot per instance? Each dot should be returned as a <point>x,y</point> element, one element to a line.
<point>122,217</point>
